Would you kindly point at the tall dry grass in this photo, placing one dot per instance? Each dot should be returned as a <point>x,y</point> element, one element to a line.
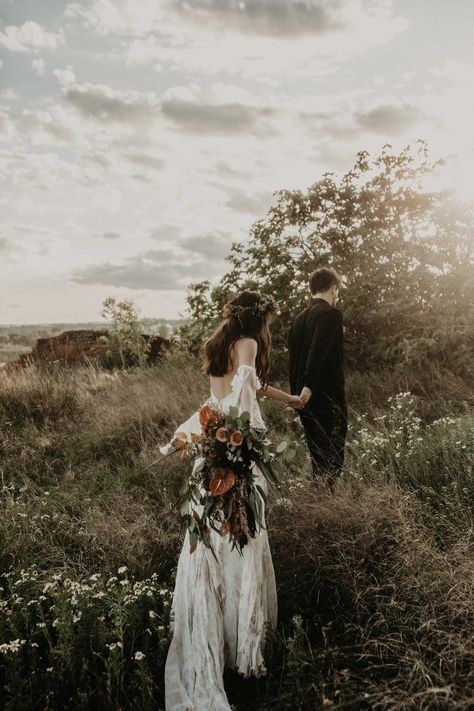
<point>375,581</point>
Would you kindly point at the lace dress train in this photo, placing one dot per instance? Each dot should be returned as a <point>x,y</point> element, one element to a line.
<point>221,608</point>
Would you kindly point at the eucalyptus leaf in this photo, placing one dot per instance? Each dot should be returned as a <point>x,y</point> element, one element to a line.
<point>244,418</point>
<point>262,493</point>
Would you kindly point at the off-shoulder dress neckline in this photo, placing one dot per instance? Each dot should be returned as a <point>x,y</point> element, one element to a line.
<point>240,369</point>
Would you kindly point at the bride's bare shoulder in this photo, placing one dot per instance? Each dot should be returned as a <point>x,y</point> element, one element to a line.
<point>246,348</point>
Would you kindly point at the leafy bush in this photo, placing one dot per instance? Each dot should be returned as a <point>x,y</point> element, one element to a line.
<point>405,252</point>
<point>126,331</point>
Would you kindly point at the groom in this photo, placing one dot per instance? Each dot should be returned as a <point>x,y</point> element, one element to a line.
<point>317,372</point>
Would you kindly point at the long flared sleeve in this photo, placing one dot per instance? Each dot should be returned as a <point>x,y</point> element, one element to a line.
<point>192,426</point>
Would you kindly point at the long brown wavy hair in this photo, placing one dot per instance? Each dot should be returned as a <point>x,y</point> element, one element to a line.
<point>245,315</point>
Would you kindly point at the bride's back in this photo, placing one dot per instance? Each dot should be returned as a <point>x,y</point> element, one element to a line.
<point>221,385</point>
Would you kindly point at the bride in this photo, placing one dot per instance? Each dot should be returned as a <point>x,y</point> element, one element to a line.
<point>223,604</point>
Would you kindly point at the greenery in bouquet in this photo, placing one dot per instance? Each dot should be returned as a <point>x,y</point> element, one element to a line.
<point>224,481</point>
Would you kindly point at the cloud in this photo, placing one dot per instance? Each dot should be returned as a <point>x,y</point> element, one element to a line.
<point>97,158</point>
<point>29,37</point>
<point>6,246</point>
<point>102,103</point>
<point>218,109</point>
<point>43,124</point>
<point>454,71</point>
<point>262,40</point>
<point>206,118</point>
<point>134,274</point>
<point>24,244</point>
<point>38,66</point>
<point>246,201</point>
<point>8,94</point>
<point>229,171</point>
<point>212,246</point>
<point>158,270</point>
<point>122,17</point>
<point>350,116</point>
<point>111,235</point>
<point>278,17</point>
<point>388,118</point>
<point>166,232</point>
<point>66,77</point>
<point>272,18</point>
<point>46,171</point>
<point>7,126</point>
<point>145,160</point>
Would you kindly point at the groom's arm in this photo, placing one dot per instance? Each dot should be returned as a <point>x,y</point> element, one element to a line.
<point>324,337</point>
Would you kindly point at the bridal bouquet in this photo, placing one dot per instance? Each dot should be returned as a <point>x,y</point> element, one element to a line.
<point>224,479</point>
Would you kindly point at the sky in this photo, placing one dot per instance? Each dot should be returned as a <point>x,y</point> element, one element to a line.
<point>140,138</point>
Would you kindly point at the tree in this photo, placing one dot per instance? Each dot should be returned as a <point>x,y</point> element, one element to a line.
<point>405,254</point>
<point>126,330</point>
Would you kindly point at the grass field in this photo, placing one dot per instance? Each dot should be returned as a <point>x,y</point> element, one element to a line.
<point>375,582</point>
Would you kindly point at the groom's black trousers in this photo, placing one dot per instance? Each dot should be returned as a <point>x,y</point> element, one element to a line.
<point>325,427</point>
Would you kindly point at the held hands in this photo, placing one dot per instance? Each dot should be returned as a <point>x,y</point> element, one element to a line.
<point>294,401</point>
<point>298,402</point>
<point>305,396</point>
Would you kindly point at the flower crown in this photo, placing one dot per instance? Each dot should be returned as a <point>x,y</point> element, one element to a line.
<point>266,304</point>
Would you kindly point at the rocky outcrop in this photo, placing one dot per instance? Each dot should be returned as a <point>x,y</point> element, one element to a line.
<point>82,347</point>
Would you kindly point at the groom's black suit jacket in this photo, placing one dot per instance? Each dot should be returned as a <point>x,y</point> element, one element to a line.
<point>316,350</point>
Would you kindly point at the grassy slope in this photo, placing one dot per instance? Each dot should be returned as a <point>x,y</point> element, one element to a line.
<point>375,582</point>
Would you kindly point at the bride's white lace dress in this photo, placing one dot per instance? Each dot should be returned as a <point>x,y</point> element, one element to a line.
<point>221,608</point>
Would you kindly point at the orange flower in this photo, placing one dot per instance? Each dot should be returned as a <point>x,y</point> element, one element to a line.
<point>208,417</point>
<point>222,481</point>
<point>236,439</point>
<point>225,528</point>
<point>180,440</point>
<point>222,434</point>
<point>195,437</point>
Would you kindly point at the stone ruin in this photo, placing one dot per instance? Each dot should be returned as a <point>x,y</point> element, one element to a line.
<point>84,347</point>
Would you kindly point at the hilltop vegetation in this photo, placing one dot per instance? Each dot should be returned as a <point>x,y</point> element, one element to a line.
<point>406,254</point>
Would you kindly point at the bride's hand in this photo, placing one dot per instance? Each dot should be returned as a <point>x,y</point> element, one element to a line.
<point>295,402</point>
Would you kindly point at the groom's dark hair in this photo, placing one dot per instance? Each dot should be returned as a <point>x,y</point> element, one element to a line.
<point>322,279</point>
